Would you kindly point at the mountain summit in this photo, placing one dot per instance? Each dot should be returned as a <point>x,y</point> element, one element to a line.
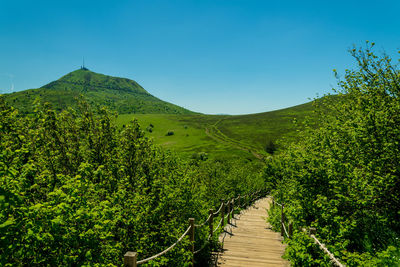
<point>119,94</point>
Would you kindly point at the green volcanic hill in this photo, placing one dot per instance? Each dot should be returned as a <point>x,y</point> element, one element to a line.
<point>120,94</point>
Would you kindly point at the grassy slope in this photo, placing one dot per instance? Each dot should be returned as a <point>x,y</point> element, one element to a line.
<point>119,94</point>
<point>222,135</point>
<point>256,130</point>
<point>189,134</point>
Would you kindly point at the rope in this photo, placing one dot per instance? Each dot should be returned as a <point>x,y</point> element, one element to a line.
<point>220,207</point>
<point>200,225</point>
<point>216,228</point>
<point>165,251</point>
<point>204,245</point>
<point>322,247</point>
<point>284,228</point>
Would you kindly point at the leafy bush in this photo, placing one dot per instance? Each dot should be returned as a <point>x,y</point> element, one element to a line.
<point>270,147</point>
<point>344,179</point>
<point>200,156</point>
<point>150,128</point>
<point>76,190</point>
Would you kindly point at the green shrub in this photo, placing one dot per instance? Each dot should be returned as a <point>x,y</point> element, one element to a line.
<point>344,177</point>
<point>200,156</point>
<point>270,147</point>
<point>76,190</point>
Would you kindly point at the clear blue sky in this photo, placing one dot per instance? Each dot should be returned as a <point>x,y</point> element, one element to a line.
<point>210,56</point>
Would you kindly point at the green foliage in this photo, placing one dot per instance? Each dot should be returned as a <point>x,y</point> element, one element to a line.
<point>303,252</point>
<point>200,156</point>
<point>344,179</point>
<point>150,128</point>
<point>239,177</point>
<point>118,94</point>
<point>270,147</point>
<point>77,190</point>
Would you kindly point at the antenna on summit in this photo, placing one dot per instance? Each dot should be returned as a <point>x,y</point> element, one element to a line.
<point>83,64</point>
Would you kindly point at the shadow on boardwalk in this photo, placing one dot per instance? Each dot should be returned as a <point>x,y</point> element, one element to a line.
<point>249,241</point>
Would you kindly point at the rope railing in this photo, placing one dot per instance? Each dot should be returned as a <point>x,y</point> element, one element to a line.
<point>166,250</point>
<point>204,223</point>
<point>130,258</point>
<point>203,246</point>
<point>218,226</point>
<point>218,211</point>
<point>311,233</point>
<point>284,228</point>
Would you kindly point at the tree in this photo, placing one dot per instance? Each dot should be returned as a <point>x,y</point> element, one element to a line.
<point>344,178</point>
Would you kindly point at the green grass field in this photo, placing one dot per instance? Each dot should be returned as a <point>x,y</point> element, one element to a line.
<point>222,135</point>
<point>189,134</point>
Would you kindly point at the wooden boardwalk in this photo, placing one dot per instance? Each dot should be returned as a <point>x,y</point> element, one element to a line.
<point>249,240</point>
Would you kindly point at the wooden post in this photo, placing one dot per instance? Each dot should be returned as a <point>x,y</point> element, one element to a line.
<point>130,259</point>
<point>282,221</point>
<point>239,202</point>
<point>233,208</point>
<point>290,229</point>
<point>191,237</point>
<point>273,202</point>
<point>313,230</point>
<point>229,212</point>
<point>210,223</point>
<point>223,213</point>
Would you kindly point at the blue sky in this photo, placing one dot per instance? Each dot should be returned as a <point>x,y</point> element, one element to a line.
<point>210,56</point>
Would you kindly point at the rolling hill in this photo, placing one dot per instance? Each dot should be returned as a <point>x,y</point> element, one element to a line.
<point>220,136</point>
<point>120,94</point>
<point>223,136</point>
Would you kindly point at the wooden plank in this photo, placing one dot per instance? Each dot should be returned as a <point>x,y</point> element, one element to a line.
<point>238,261</point>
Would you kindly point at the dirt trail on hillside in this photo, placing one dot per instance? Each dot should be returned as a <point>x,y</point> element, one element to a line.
<point>235,145</point>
